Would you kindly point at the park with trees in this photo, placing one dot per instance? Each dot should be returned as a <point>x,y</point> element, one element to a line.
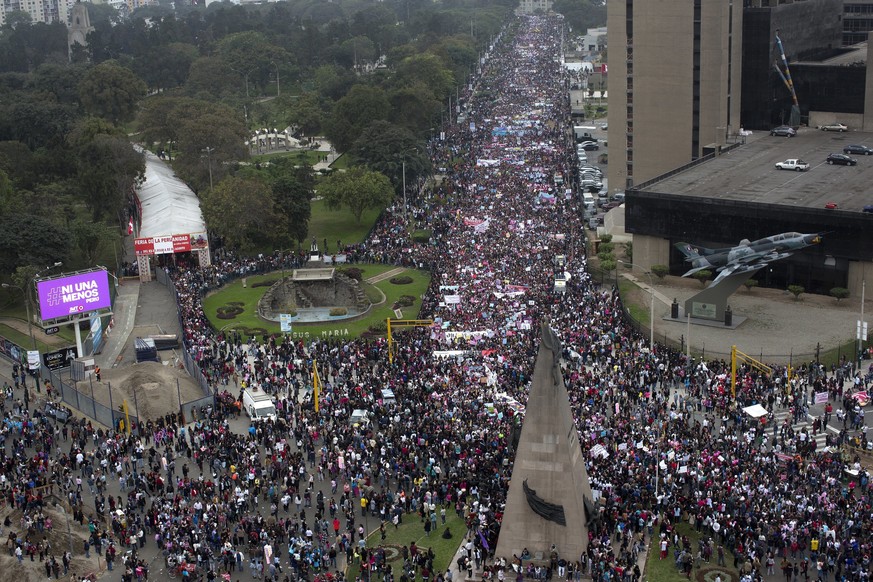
<point>376,80</point>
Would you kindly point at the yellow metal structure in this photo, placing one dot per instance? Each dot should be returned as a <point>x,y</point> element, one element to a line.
<point>401,323</point>
<point>316,384</point>
<point>737,354</point>
<point>126,426</point>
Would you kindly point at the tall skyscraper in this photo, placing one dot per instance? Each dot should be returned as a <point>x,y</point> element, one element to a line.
<point>674,83</point>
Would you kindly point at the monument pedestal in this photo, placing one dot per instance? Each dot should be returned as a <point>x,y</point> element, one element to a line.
<point>711,303</point>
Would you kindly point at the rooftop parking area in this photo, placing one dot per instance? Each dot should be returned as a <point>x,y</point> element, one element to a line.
<point>748,173</point>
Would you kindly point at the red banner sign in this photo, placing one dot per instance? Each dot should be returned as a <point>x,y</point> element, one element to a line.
<point>176,243</point>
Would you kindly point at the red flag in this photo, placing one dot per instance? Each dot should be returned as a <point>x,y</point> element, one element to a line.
<point>130,226</point>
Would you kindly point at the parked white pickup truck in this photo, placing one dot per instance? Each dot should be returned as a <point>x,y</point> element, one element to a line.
<point>793,164</point>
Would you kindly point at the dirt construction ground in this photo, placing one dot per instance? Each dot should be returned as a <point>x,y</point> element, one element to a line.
<point>59,540</point>
<point>149,388</point>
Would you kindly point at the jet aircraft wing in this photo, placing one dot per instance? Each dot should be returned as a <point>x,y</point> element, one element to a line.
<point>749,263</point>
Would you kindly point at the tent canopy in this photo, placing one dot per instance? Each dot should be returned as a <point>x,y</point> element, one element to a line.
<point>755,411</point>
<point>169,206</point>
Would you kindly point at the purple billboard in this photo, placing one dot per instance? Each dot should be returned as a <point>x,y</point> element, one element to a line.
<point>73,294</point>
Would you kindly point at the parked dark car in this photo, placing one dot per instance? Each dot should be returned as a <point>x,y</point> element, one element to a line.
<point>841,160</point>
<point>858,150</point>
<point>783,131</point>
<point>60,413</point>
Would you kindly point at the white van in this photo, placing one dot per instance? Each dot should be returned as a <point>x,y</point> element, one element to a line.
<point>587,198</point>
<point>258,405</point>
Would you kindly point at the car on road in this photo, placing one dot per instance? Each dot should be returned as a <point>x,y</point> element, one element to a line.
<point>831,205</point>
<point>588,146</point>
<point>610,205</point>
<point>783,131</point>
<point>858,149</point>
<point>834,127</point>
<point>795,164</point>
<point>841,160</point>
<point>604,126</point>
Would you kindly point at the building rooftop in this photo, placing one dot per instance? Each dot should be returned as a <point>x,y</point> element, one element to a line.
<point>855,55</point>
<point>748,173</point>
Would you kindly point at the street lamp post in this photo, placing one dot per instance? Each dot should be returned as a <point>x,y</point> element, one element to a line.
<point>405,215</point>
<point>209,151</point>
<point>277,77</point>
<point>651,304</point>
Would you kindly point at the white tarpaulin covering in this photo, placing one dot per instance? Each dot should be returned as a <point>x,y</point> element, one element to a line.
<point>755,411</point>
<point>169,206</point>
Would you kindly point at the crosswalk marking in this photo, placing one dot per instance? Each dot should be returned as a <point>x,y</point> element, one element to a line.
<point>779,419</point>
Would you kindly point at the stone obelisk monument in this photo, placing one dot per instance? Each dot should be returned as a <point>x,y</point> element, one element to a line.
<point>549,488</point>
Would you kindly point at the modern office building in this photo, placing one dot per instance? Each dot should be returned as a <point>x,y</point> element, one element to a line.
<point>39,10</point>
<point>766,101</point>
<point>857,21</point>
<point>674,83</point>
<point>740,194</point>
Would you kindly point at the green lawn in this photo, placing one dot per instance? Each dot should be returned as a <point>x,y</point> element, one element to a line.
<point>665,570</point>
<point>23,339</point>
<point>249,296</point>
<point>339,225</point>
<point>412,530</point>
<point>641,315</point>
<point>341,163</point>
<point>300,157</point>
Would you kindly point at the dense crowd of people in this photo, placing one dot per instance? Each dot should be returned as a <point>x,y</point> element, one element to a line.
<point>286,500</point>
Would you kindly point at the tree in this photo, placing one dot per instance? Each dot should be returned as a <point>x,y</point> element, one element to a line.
<point>241,211</point>
<point>354,112</point>
<point>111,91</point>
<point>384,147</point>
<point>292,191</point>
<point>91,239</point>
<point>166,66</point>
<point>660,271</point>
<point>109,168</point>
<point>608,264</point>
<point>27,239</point>
<point>9,202</point>
<point>414,107</point>
<point>357,189</point>
<point>428,70</point>
<point>212,126</point>
<point>796,290</point>
<point>210,78</point>
<point>839,293</point>
<point>750,284</point>
<point>703,276</point>
<point>305,115</point>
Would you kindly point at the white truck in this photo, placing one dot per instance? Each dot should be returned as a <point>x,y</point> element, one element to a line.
<point>258,405</point>
<point>793,164</point>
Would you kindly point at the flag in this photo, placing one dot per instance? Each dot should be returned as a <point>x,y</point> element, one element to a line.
<point>130,226</point>
<point>484,541</point>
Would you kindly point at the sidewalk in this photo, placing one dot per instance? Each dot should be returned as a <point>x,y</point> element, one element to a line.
<point>124,316</point>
